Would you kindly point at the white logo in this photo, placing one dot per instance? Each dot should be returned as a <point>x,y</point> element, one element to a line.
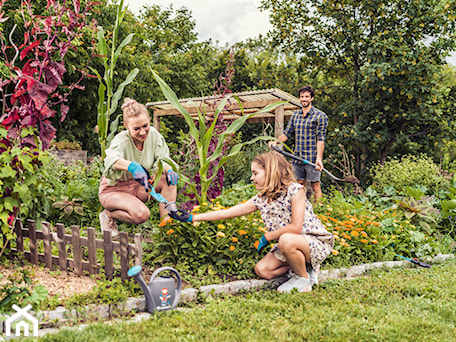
<point>22,324</point>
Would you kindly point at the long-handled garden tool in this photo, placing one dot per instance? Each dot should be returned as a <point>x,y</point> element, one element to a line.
<point>349,179</point>
<point>415,261</point>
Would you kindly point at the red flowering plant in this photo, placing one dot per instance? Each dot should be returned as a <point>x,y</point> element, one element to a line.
<point>32,92</point>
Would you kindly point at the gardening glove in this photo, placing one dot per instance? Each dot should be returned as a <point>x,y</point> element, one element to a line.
<point>140,174</point>
<point>181,215</point>
<point>172,177</point>
<point>263,243</point>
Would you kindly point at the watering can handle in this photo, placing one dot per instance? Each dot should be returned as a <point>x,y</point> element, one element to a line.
<point>179,282</point>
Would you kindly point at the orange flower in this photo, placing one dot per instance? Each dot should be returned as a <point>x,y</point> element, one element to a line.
<point>256,244</point>
<point>364,241</point>
<point>384,237</point>
<point>234,239</point>
<point>364,234</point>
<point>242,232</point>
<point>232,248</point>
<point>354,233</point>
<point>374,241</point>
<point>162,223</point>
<point>335,252</point>
<point>169,232</point>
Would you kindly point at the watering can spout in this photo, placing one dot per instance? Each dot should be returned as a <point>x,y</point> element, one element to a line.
<point>162,293</point>
<point>135,272</point>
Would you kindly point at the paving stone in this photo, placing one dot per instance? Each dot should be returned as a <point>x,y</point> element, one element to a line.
<point>188,295</point>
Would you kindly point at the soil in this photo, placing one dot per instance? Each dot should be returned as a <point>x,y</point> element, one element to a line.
<point>58,283</point>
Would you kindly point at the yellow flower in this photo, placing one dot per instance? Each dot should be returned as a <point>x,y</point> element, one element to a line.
<point>335,252</point>
<point>261,229</point>
<point>232,248</point>
<point>204,203</point>
<point>234,239</point>
<point>242,232</point>
<point>196,224</point>
<point>354,233</point>
<point>196,209</point>
<point>169,232</point>
<point>221,226</point>
<point>220,234</point>
<point>336,237</point>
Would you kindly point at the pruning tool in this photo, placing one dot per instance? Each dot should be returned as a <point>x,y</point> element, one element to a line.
<point>415,261</point>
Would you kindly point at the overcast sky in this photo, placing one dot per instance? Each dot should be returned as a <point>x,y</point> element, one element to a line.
<point>226,21</point>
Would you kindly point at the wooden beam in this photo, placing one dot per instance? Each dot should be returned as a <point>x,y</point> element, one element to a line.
<point>278,129</point>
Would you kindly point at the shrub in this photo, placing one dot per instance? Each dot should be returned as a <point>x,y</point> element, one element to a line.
<point>409,171</point>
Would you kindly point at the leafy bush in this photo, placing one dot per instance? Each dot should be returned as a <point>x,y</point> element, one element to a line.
<point>409,171</point>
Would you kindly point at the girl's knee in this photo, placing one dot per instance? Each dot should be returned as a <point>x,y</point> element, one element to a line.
<point>262,271</point>
<point>286,241</point>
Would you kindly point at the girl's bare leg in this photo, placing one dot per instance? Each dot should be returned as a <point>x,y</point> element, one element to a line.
<point>296,249</point>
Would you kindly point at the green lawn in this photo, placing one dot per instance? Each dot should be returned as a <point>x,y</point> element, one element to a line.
<point>412,304</point>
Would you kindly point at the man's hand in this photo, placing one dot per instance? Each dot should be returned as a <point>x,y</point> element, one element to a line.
<point>263,243</point>
<point>172,177</point>
<point>140,174</point>
<point>319,164</point>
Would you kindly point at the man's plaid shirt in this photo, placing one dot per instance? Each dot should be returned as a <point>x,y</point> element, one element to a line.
<point>308,130</point>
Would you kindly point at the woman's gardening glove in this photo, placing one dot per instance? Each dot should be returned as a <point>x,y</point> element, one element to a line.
<point>172,177</point>
<point>140,174</point>
<point>263,243</point>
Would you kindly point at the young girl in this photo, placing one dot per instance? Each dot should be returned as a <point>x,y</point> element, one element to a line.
<point>124,187</point>
<point>303,242</point>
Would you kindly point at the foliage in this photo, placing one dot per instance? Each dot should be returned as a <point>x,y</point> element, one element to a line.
<point>17,290</point>
<point>33,85</point>
<point>209,247</point>
<point>108,99</point>
<point>381,58</point>
<point>67,194</point>
<point>19,184</point>
<point>366,232</point>
<point>203,135</point>
<point>66,145</point>
<point>408,171</point>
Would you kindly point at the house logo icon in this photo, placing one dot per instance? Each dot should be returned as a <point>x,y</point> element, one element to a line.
<point>21,315</point>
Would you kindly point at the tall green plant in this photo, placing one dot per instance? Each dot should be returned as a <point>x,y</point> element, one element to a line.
<point>203,134</point>
<point>108,99</point>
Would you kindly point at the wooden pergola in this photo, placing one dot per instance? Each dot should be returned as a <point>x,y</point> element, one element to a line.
<point>251,101</point>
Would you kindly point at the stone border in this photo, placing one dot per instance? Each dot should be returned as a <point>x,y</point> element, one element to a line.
<point>105,311</point>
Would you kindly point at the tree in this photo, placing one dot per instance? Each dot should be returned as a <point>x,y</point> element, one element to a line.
<point>383,55</point>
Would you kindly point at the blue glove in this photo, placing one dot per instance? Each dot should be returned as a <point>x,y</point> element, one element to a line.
<point>140,174</point>
<point>181,215</point>
<point>172,177</point>
<point>263,243</point>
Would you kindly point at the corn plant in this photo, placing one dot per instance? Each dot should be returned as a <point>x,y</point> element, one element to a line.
<point>108,100</point>
<point>203,133</point>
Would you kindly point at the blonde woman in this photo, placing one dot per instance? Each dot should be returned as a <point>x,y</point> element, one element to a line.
<point>303,242</point>
<point>124,186</point>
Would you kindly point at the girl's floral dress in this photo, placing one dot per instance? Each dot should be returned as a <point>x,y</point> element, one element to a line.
<point>277,214</point>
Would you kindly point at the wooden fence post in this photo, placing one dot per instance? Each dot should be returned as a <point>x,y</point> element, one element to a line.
<point>123,255</point>
<point>32,240</point>
<point>109,261</point>
<point>92,245</point>
<point>62,247</point>
<point>77,257</point>
<point>45,226</point>
<point>138,249</point>
<point>20,237</point>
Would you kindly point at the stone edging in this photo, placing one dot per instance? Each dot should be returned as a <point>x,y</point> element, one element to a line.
<point>106,311</point>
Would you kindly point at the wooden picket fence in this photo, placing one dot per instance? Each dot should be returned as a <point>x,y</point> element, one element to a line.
<point>74,243</point>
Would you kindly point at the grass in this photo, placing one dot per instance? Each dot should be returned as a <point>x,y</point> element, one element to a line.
<point>401,304</point>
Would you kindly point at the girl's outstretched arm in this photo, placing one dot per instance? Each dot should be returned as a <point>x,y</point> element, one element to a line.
<point>238,210</point>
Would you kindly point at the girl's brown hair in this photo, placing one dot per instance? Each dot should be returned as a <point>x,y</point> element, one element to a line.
<point>278,173</point>
<point>131,108</point>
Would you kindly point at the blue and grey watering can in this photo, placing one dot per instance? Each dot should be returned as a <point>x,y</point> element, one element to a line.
<point>162,293</point>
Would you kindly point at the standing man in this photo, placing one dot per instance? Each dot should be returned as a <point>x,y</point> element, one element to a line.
<point>309,126</point>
